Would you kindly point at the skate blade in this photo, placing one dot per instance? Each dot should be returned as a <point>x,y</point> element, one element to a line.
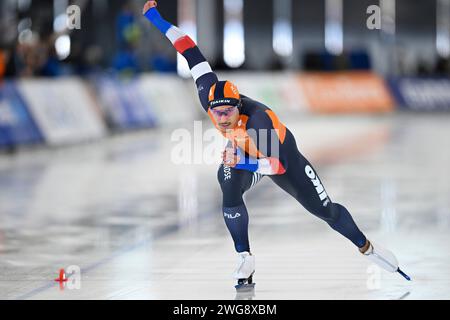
<point>403,274</point>
<point>245,287</point>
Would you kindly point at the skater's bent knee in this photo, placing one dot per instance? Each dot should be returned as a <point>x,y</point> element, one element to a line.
<point>331,213</point>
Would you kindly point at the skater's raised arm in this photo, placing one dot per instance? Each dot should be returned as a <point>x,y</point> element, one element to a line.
<point>201,71</point>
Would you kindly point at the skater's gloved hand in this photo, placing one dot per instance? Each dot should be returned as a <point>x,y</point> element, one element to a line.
<point>148,5</point>
<point>230,157</point>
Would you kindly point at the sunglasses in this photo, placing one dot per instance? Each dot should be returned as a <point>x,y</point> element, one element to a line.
<point>224,112</point>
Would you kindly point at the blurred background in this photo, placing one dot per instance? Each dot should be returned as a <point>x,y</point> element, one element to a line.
<point>411,39</point>
<point>399,49</point>
<point>91,95</point>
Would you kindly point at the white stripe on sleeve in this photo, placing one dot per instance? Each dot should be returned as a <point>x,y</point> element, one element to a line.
<point>200,69</point>
<point>174,34</point>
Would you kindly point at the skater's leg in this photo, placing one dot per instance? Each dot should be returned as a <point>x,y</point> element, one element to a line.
<point>236,219</point>
<point>234,183</point>
<point>343,222</point>
<point>303,183</point>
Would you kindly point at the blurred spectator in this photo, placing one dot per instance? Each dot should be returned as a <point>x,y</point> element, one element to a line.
<point>162,63</point>
<point>92,59</point>
<point>50,65</point>
<point>27,58</point>
<point>312,61</point>
<point>341,62</point>
<point>125,61</point>
<point>442,67</point>
<point>359,60</point>
<point>162,58</point>
<point>128,36</point>
<point>325,61</point>
<point>3,63</point>
<point>128,30</point>
<point>275,63</point>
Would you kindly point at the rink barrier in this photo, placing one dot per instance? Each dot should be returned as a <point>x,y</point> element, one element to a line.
<point>174,99</point>
<point>279,91</point>
<point>421,94</point>
<point>17,125</point>
<point>346,92</point>
<point>63,110</point>
<point>70,110</point>
<point>146,101</point>
<point>123,106</point>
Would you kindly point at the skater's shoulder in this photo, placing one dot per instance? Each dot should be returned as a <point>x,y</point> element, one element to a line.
<point>247,100</point>
<point>252,107</point>
<point>259,119</point>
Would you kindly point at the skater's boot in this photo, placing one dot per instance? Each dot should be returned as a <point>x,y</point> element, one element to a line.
<point>383,258</point>
<point>244,272</point>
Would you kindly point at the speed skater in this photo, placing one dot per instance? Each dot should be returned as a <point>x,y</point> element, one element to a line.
<point>259,146</point>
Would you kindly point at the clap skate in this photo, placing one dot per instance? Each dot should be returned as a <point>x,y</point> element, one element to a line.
<point>385,259</point>
<point>244,272</point>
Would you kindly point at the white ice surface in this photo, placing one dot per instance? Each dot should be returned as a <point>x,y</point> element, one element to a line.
<point>141,227</point>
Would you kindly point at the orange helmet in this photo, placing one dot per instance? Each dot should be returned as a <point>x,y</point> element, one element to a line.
<point>224,93</point>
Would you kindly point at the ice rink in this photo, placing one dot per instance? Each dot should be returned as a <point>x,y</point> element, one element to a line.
<point>141,227</point>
